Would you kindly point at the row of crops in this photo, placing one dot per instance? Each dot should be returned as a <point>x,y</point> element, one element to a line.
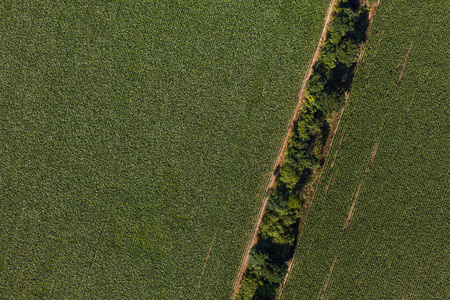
<point>137,135</point>
<point>331,79</point>
<point>389,165</point>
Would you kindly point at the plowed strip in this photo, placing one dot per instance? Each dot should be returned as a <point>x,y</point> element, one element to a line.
<point>350,213</point>
<point>374,153</point>
<point>404,64</point>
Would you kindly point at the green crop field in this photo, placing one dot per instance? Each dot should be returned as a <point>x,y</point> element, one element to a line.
<point>135,136</point>
<point>378,227</point>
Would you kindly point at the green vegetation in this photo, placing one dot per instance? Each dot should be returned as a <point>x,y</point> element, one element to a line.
<point>389,162</point>
<point>157,121</point>
<point>327,86</point>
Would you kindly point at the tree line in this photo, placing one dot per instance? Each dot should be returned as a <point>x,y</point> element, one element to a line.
<point>326,88</point>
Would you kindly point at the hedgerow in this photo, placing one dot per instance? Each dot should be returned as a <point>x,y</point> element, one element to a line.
<point>326,88</point>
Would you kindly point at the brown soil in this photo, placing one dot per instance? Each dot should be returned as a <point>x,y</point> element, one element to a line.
<point>330,184</point>
<point>373,11</point>
<point>350,213</point>
<point>373,154</point>
<point>410,106</point>
<point>334,122</point>
<point>404,64</point>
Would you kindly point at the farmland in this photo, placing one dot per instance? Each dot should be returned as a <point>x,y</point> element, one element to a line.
<point>378,223</point>
<point>137,137</point>
<point>327,84</point>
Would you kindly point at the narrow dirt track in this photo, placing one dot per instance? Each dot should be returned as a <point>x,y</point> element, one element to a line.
<point>280,157</point>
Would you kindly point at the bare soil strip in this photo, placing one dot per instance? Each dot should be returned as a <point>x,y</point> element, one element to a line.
<point>333,123</point>
<point>350,213</point>
<point>206,260</point>
<point>372,13</point>
<point>280,157</point>
<point>404,64</point>
<point>374,153</point>
<point>321,294</point>
<point>325,286</point>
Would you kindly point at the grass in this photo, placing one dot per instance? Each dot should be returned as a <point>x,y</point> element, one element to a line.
<point>394,246</point>
<point>157,121</point>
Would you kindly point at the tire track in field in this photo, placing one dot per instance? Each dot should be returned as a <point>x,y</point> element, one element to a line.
<point>378,45</point>
<point>323,290</point>
<point>404,64</point>
<point>280,157</point>
<point>337,151</point>
<point>350,213</point>
<point>83,280</point>
<point>206,260</point>
<point>365,175</point>
<point>327,281</point>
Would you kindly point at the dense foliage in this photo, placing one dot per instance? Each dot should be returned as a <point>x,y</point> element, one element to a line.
<point>326,88</point>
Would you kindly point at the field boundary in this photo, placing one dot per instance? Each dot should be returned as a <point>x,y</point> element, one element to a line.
<point>279,160</point>
<point>308,206</point>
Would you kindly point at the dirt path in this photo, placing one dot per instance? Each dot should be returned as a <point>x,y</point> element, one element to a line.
<point>280,157</point>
